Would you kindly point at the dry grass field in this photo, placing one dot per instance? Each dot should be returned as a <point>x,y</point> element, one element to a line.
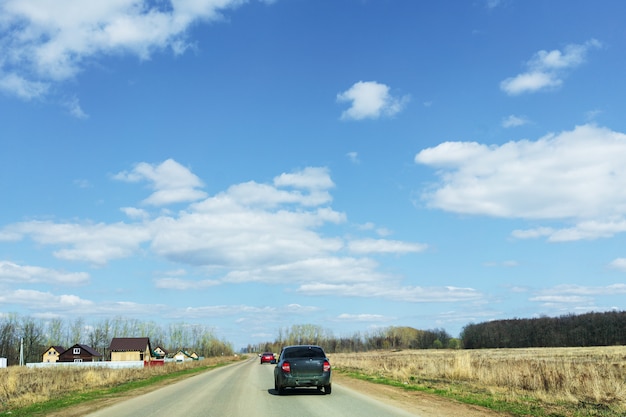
<point>21,386</point>
<point>554,381</point>
<point>553,378</point>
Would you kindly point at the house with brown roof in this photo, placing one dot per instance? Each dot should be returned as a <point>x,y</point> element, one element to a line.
<point>130,349</point>
<point>52,354</point>
<point>80,353</point>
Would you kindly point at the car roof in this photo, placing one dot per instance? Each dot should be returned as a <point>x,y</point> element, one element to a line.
<point>301,346</point>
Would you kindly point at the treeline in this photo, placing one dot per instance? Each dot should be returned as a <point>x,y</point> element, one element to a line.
<point>387,338</point>
<point>39,334</point>
<point>591,329</point>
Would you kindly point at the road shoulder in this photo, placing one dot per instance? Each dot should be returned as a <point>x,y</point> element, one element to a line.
<point>419,403</point>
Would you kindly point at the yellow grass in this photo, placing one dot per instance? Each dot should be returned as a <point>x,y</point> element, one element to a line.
<point>21,386</point>
<point>595,375</point>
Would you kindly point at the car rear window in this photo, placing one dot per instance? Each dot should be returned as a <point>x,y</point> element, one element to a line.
<point>304,352</point>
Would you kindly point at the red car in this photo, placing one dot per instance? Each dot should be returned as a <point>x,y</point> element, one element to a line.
<point>268,357</point>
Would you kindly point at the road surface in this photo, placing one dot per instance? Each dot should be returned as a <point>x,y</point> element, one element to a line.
<point>246,389</point>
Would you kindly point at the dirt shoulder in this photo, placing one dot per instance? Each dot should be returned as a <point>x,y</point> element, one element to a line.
<point>423,404</point>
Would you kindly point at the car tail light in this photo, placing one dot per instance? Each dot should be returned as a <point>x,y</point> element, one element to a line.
<point>286,367</point>
<point>326,366</point>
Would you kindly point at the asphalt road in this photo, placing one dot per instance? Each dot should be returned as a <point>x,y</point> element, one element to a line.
<point>246,389</point>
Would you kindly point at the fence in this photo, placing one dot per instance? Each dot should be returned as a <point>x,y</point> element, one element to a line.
<point>101,364</point>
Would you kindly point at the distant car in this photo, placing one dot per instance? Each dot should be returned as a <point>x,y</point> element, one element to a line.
<point>302,366</point>
<point>268,357</point>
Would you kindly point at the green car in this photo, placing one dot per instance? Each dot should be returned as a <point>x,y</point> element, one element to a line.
<point>302,366</point>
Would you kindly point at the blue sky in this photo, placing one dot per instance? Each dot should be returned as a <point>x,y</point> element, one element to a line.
<point>356,164</point>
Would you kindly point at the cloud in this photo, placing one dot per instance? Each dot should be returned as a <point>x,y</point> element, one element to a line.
<point>252,312</point>
<point>362,318</point>
<point>49,305</point>
<point>530,82</point>
<point>49,42</point>
<point>546,69</point>
<point>74,108</point>
<point>411,294</point>
<point>562,297</point>
<point>72,306</point>
<point>135,213</point>
<point>384,246</point>
<point>370,100</point>
<point>251,232</point>
<point>514,121</point>
<point>619,264</point>
<point>184,284</point>
<point>380,231</point>
<point>21,87</point>
<point>586,230</point>
<point>311,178</point>
<point>330,269</point>
<point>26,274</point>
<point>353,157</point>
<point>172,182</point>
<point>93,243</point>
<point>585,290</point>
<point>575,176</point>
<point>39,300</point>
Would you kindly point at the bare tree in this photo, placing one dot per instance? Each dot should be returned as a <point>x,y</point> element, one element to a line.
<point>77,331</point>
<point>9,339</point>
<point>32,335</point>
<point>55,331</point>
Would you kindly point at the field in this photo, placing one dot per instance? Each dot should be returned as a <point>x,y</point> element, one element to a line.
<point>540,381</point>
<point>521,382</point>
<point>22,387</point>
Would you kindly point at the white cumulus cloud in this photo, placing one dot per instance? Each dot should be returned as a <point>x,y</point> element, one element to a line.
<point>28,274</point>
<point>370,100</point>
<point>546,69</point>
<point>46,42</point>
<point>172,182</point>
<point>576,176</point>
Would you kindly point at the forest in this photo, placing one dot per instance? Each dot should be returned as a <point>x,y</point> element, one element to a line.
<point>38,334</point>
<point>384,338</point>
<point>590,329</point>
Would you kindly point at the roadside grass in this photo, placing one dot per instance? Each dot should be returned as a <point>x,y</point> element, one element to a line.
<point>67,387</point>
<point>546,382</point>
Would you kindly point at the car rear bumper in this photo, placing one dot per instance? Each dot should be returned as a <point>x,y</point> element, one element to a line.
<point>290,381</point>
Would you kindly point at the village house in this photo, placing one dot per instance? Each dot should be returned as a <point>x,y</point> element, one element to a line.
<point>159,352</point>
<point>52,354</point>
<point>80,353</point>
<point>130,349</point>
<point>183,356</point>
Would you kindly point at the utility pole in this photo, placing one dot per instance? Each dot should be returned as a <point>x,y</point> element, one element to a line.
<point>21,351</point>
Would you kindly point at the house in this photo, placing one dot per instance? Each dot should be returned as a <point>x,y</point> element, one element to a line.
<point>183,356</point>
<point>52,354</point>
<point>79,353</point>
<point>159,352</point>
<point>130,349</point>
